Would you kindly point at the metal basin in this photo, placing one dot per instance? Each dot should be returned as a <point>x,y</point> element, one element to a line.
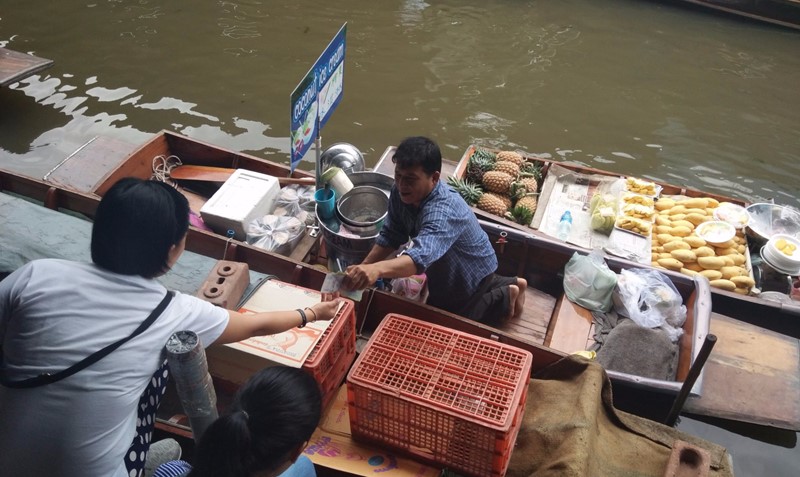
<point>363,209</point>
<point>375,179</point>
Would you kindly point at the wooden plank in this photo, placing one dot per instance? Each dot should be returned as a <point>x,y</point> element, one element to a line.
<point>570,328</point>
<point>88,165</point>
<point>15,66</point>
<point>536,313</point>
<point>752,375</point>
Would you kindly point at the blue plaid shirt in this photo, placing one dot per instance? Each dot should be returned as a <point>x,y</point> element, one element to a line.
<point>448,244</point>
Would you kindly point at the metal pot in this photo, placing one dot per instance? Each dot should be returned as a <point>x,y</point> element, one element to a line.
<point>363,209</point>
<point>344,156</point>
<point>375,179</point>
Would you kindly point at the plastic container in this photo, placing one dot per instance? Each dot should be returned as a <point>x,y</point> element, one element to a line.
<point>715,231</point>
<point>245,196</point>
<point>782,252</point>
<point>734,214</point>
<point>439,395</point>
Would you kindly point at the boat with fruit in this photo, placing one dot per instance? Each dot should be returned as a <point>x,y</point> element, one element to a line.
<point>668,227</point>
<point>550,325</point>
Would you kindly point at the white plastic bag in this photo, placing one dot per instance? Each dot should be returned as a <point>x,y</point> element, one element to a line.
<point>275,234</point>
<point>296,200</point>
<point>650,299</point>
<point>589,282</point>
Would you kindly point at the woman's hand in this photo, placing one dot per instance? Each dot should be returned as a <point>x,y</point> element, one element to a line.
<point>324,310</point>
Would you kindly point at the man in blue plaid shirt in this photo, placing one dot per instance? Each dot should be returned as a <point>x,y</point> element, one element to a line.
<point>447,242</point>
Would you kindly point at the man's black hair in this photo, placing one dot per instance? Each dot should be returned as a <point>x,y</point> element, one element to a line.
<point>418,151</point>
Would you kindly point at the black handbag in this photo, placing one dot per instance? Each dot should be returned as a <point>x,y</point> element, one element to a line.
<point>48,378</point>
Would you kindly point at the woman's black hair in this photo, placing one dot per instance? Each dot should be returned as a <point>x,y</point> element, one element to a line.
<point>136,224</point>
<point>276,411</point>
<point>418,151</point>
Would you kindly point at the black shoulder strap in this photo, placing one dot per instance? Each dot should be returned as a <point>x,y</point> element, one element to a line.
<point>47,378</point>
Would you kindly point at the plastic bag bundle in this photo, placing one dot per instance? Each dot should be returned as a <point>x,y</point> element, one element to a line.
<point>651,300</point>
<point>297,201</point>
<point>274,233</point>
<point>603,209</point>
<point>589,282</point>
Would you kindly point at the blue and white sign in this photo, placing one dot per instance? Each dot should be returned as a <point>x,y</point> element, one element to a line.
<point>317,95</point>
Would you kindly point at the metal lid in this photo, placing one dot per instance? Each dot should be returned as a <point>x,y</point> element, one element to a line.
<point>344,156</point>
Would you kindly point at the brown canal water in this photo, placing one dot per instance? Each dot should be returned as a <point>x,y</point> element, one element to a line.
<point>641,87</point>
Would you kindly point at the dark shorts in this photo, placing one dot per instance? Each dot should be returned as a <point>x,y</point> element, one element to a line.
<point>491,303</point>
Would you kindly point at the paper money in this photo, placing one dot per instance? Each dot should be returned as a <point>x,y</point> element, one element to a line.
<point>333,284</point>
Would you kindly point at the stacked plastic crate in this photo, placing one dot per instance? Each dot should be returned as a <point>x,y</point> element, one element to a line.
<point>439,395</point>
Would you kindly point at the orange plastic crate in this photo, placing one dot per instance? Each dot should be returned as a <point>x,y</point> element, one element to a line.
<point>334,352</point>
<point>440,395</point>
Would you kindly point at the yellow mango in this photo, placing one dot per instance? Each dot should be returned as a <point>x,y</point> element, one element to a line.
<point>663,220</point>
<point>683,223</point>
<point>680,231</point>
<point>664,203</point>
<point>712,202</point>
<point>684,256</point>
<point>726,251</point>
<point>678,209</point>
<point>696,219</point>
<point>670,263</point>
<point>710,263</point>
<point>662,229</point>
<point>694,241</point>
<point>741,291</point>
<point>711,274</point>
<point>676,245</point>
<point>724,284</point>
<point>743,281</point>
<point>694,266</point>
<point>695,202</point>
<point>704,251</point>
<point>689,272</point>
<point>729,272</point>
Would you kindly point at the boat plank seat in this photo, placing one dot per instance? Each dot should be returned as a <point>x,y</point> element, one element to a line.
<point>15,66</point>
<point>571,327</point>
<point>88,165</point>
<point>532,323</point>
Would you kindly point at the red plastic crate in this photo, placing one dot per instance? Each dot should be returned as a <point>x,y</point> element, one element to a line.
<point>334,352</point>
<point>439,395</point>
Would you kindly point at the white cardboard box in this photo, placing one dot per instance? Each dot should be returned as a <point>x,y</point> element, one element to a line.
<point>245,196</point>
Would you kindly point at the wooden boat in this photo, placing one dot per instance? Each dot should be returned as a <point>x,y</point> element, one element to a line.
<point>15,66</point>
<point>549,328</point>
<point>785,13</point>
<point>773,315</point>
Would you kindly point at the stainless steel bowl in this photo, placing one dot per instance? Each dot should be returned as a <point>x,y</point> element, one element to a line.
<point>344,156</point>
<point>768,219</point>
<point>375,179</point>
<point>363,209</point>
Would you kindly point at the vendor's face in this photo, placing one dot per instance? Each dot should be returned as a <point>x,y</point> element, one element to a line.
<point>414,184</point>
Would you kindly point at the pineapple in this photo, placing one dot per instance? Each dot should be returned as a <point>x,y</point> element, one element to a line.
<point>511,156</point>
<point>497,181</point>
<point>520,215</point>
<point>470,191</point>
<point>494,203</point>
<point>529,184</point>
<point>529,202</point>
<point>480,162</point>
<point>531,169</point>
<point>474,196</point>
<point>509,168</point>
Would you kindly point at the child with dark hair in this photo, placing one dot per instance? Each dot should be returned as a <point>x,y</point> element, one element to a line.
<point>57,313</point>
<point>264,432</point>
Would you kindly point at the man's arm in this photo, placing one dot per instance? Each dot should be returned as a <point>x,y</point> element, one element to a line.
<point>364,275</point>
<point>377,254</point>
<point>242,326</point>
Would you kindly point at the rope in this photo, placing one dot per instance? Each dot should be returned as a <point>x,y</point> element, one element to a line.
<point>163,165</point>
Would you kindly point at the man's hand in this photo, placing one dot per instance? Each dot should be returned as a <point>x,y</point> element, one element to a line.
<point>359,277</point>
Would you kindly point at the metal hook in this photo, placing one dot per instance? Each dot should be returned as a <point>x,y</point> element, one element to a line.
<point>502,241</point>
<point>230,235</point>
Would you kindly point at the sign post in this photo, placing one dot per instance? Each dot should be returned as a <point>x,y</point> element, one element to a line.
<point>315,98</point>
